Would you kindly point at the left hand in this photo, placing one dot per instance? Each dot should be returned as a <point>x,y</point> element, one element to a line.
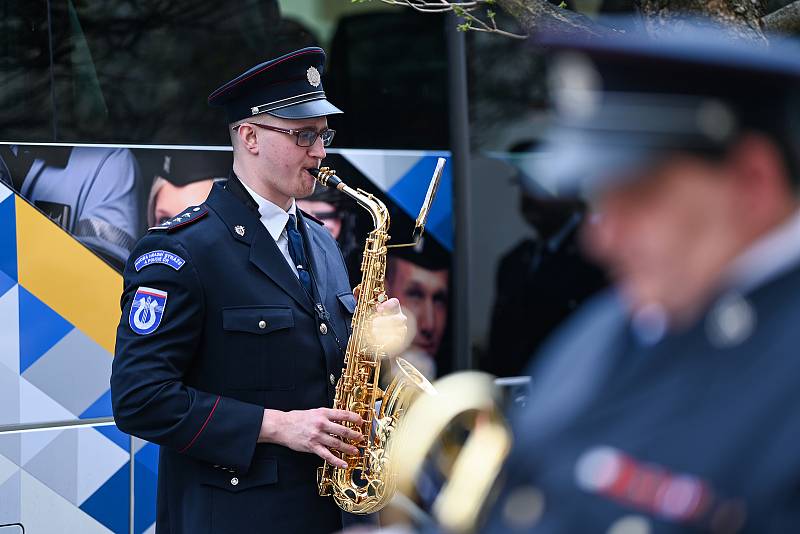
<point>389,326</point>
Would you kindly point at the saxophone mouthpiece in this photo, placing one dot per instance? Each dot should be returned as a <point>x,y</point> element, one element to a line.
<point>326,176</point>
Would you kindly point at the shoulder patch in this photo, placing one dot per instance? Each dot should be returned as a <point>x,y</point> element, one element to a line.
<point>147,309</point>
<point>186,218</point>
<point>159,256</point>
<point>311,217</point>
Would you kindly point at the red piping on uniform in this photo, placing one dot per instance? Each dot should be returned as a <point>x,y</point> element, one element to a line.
<point>186,448</point>
<point>189,220</point>
<point>223,89</point>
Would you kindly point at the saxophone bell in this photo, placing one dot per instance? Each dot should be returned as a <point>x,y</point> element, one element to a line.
<point>458,437</point>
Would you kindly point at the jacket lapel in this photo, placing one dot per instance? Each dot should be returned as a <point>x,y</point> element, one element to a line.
<point>245,226</point>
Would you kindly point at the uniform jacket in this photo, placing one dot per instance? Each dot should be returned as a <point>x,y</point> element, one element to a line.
<point>697,432</point>
<point>235,332</point>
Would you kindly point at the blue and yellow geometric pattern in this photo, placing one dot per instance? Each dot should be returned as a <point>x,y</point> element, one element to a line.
<point>59,307</point>
<point>403,175</point>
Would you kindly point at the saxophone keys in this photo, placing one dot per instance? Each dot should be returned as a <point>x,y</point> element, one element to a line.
<point>375,487</point>
<point>357,407</point>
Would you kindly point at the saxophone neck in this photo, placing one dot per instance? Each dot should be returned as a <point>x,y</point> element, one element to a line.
<point>380,215</point>
<point>376,208</point>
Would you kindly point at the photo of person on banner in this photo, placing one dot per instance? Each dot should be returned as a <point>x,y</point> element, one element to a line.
<point>89,192</point>
<point>183,178</point>
<point>419,277</point>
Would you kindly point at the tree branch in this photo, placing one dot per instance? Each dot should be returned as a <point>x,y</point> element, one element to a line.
<point>784,20</point>
<point>538,15</point>
<point>463,9</point>
<point>743,16</point>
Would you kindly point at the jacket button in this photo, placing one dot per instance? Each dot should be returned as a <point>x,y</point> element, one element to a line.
<point>332,379</point>
<point>323,328</point>
<point>234,481</point>
<point>262,324</point>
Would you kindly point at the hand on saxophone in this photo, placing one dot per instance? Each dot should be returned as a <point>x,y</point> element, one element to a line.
<point>316,431</point>
<point>390,327</point>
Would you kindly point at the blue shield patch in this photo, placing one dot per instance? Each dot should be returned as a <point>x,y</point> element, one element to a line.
<point>147,310</point>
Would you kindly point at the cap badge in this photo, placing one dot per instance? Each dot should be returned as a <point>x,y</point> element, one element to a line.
<point>313,76</point>
<point>239,230</point>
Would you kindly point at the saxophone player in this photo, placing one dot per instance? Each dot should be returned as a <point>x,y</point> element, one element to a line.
<point>235,316</point>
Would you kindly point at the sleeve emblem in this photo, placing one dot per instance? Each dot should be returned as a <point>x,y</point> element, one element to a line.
<point>158,256</point>
<point>147,310</point>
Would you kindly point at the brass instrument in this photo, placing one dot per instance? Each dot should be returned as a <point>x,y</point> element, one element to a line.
<point>462,435</point>
<point>366,485</point>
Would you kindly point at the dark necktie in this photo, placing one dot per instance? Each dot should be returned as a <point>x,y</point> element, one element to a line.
<point>298,253</point>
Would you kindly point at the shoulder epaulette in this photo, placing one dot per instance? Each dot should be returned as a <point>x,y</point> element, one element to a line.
<point>189,216</point>
<point>306,214</point>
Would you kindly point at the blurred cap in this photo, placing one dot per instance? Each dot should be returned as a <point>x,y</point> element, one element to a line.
<point>289,87</point>
<point>620,102</point>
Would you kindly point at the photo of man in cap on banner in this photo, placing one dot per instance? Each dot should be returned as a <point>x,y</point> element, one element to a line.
<point>182,178</point>
<point>419,277</point>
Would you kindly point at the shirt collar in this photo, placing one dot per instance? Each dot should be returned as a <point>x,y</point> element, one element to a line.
<point>767,258</point>
<point>273,216</point>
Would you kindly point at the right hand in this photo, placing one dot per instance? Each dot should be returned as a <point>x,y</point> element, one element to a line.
<point>316,431</point>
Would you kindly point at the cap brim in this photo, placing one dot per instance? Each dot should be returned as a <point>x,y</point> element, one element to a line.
<point>585,169</point>
<point>306,110</point>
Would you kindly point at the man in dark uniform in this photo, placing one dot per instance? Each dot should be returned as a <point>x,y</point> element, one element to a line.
<point>235,317</point>
<point>670,404</point>
<point>540,282</point>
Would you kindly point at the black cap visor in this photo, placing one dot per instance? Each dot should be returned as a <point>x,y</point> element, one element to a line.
<point>306,110</point>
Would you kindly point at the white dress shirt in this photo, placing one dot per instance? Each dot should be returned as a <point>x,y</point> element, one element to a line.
<point>274,219</point>
<point>770,256</point>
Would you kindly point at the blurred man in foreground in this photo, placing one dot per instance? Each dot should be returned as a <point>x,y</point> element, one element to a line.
<point>670,404</point>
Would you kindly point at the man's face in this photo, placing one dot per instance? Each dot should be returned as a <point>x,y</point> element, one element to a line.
<point>325,212</point>
<point>424,294</point>
<point>171,199</point>
<point>667,235</point>
<point>283,164</point>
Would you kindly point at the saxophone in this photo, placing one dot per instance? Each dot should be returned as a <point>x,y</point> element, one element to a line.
<point>367,484</point>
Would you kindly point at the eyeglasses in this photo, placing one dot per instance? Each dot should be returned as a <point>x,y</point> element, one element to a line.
<point>305,138</point>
